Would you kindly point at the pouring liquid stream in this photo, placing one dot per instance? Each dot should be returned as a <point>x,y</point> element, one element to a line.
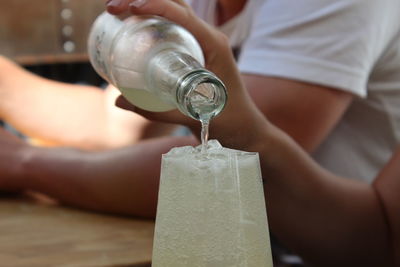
<point>204,105</point>
<point>204,134</point>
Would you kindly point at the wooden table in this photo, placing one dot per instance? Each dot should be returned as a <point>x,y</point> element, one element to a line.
<point>41,234</point>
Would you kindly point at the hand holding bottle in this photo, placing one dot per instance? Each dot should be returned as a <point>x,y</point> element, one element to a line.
<point>240,114</point>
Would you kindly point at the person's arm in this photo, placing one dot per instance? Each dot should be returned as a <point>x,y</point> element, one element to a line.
<point>120,181</point>
<point>66,114</point>
<point>305,111</point>
<point>326,219</point>
<point>329,220</point>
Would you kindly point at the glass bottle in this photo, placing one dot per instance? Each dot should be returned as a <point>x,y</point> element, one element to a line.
<point>156,64</point>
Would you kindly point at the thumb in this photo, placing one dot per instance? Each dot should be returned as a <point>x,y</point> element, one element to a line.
<point>121,102</point>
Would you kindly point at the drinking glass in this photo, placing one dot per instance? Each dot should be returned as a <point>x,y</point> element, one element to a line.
<point>211,210</point>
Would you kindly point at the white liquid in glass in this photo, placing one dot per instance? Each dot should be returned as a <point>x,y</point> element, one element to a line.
<point>211,210</point>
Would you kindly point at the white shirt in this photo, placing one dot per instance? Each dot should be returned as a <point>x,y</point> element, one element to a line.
<point>351,45</point>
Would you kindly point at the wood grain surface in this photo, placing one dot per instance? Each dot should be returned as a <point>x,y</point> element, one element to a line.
<point>40,235</point>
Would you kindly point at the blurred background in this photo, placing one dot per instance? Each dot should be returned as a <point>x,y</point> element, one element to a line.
<point>48,37</point>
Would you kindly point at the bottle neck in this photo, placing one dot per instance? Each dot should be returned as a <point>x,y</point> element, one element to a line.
<point>201,95</point>
<point>179,79</point>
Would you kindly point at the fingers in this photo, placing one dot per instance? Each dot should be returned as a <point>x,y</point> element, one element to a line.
<point>179,12</point>
<point>120,6</point>
<point>176,11</point>
<point>212,42</point>
<point>171,10</point>
<point>121,102</point>
<point>117,7</point>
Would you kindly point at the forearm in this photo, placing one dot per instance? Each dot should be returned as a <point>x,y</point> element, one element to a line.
<point>318,214</point>
<point>121,181</point>
<point>68,114</point>
<point>49,110</point>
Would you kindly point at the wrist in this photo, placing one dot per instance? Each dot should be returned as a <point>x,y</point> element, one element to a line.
<point>265,140</point>
<point>244,138</point>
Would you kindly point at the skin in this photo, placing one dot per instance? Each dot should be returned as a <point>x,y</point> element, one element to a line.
<point>227,9</point>
<point>308,122</point>
<point>339,216</point>
<point>109,181</point>
<point>29,99</point>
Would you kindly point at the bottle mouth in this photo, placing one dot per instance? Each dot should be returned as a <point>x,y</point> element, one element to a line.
<point>203,95</point>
